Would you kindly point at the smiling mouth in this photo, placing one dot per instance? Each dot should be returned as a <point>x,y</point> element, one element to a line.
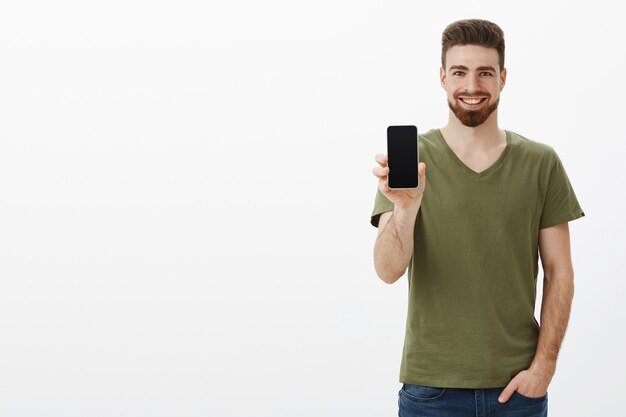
<point>472,101</point>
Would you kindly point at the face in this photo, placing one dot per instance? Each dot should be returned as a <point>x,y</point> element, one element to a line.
<point>473,81</point>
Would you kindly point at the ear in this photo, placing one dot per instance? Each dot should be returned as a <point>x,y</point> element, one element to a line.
<point>442,77</point>
<point>502,78</point>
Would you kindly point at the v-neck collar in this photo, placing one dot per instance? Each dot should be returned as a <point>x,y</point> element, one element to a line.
<point>470,171</point>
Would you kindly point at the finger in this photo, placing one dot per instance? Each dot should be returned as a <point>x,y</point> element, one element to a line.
<point>508,391</point>
<point>380,172</point>
<point>381,159</point>
<point>383,186</point>
<point>421,172</point>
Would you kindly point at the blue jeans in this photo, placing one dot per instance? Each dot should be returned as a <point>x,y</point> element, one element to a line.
<point>423,401</point>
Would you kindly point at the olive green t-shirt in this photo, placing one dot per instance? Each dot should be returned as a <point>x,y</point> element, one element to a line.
<point>473,273</point>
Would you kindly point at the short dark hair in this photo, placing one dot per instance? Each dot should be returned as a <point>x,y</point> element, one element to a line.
<point>473,32</point>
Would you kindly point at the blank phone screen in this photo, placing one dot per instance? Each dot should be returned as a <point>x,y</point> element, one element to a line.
<point>402,151</point>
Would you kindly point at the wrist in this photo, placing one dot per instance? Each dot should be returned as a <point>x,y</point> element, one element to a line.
<point>543,366</point>
<point>405,215</point>
<point>408,209</point>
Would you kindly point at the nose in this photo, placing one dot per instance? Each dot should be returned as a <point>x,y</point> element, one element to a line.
<point>472,83</point>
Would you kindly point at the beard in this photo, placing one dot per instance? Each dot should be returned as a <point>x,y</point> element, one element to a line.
<point>473,118</point>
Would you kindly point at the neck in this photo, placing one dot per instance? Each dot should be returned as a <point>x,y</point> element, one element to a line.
<point>487,134</point>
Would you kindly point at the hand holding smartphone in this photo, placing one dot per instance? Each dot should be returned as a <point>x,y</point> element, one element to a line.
<point>402,178</point>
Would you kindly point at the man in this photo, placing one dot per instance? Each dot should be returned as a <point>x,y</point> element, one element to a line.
<point>471,238</point>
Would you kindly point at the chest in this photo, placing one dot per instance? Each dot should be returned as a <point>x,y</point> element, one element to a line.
<point>479,161</point>
<point>505,198</point>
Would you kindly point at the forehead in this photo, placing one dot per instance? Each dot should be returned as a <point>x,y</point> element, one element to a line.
<point>472,56</point>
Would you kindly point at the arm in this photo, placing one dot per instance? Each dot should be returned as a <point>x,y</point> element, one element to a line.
<point>558,292</point>
<point>394,245</point>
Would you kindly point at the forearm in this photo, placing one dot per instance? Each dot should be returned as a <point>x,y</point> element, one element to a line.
<point>394,246</point>
<point>558,292</point>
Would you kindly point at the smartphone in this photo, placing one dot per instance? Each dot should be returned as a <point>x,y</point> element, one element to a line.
<point>403,157</point>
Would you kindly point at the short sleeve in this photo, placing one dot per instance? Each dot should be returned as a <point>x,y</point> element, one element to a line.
<point>381,204</point>
<point>560,203</point>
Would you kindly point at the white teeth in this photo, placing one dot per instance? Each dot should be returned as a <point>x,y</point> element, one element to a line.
<point>472,100</point>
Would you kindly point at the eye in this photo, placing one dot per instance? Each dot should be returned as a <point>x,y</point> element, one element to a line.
<point>486,74</point>
<point>458,73</point>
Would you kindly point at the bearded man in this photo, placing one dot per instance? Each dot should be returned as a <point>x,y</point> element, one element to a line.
<point>471,239</point>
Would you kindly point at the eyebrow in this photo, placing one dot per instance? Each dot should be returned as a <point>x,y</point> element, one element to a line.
<point>463,67</point>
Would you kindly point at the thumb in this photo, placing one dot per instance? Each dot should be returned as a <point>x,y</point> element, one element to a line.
<point>508,391</point>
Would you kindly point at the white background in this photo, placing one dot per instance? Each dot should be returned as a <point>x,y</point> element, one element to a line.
<point>186,189</point>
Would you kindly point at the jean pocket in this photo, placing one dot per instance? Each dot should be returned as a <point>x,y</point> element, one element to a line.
<point>531,399</point>
<point>421,392</point>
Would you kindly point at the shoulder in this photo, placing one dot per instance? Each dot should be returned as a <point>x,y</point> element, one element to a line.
<point>430,135</point>
<point>430,139</point>
<point>532,149</point>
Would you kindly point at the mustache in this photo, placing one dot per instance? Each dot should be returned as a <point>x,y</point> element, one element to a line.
<point>473,93</point>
